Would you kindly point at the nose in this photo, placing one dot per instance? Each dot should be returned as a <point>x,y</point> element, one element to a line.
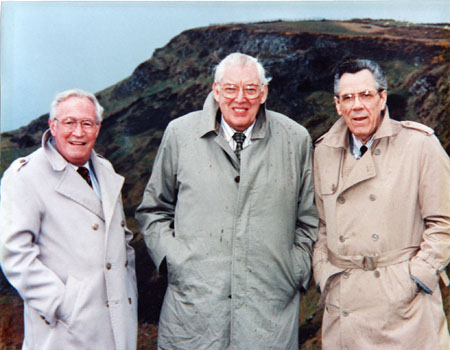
<point>357,103</point>
<point>240,96</point>
<point>78,131</point>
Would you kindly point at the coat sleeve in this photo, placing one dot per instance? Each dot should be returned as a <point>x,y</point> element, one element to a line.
<point>156,212</point>
<point>306,224</point>
<point>322,268</point>
<point>20,222</point>
<point>434,200</point>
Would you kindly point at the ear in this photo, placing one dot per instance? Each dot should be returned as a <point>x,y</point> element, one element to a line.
<point>52,125</point>
<point>383,95</point>
<point>98,130</point>
<point>216,91</point>
<point>337,104</point>
<point>264,94</point>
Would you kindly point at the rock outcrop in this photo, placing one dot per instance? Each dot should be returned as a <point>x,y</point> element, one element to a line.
<point>300,57</point>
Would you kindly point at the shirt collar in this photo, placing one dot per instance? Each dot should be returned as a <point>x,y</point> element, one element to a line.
<point>228,131</point>
<point>355,145</point>
<point>87,166</point>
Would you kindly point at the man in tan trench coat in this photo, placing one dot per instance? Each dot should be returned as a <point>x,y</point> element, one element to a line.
<point>383,196</point>
<point>63,241</point>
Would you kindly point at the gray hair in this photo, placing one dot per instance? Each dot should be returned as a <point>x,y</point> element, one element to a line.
<point>357,66</point>
<point>62,96</point>
<point>240,59</point>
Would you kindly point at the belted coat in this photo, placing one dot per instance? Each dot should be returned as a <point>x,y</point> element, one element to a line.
<point>67,253</point>
<point>237,237</point>
<point>383,219</point>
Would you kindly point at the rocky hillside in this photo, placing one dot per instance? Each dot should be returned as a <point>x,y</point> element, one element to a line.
<point>300,57</point>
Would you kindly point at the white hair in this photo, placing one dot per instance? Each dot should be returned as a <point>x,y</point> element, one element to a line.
<point>240,59</point>
<point>62,96</point>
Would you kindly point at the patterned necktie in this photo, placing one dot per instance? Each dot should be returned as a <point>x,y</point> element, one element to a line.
<point>363,150</point>
<point>239,137</point>
<point>84,172</point>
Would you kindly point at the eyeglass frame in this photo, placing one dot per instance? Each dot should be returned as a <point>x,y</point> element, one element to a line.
<point>88,129</point>
<point>241,87</point>
<point>360,97</point>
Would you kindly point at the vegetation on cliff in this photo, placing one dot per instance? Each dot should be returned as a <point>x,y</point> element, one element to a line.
<point>300,57</point>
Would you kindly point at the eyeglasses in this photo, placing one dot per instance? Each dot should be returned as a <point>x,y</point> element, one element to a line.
<point>88,125</point>
<point>250,91</point>
<point>365,97</point>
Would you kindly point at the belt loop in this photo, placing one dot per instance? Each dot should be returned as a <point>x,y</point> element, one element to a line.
<point>369,263</point>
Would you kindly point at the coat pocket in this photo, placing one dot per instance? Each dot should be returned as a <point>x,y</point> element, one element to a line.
<point>68,307</point>
<point>177,256</point>
<point>401,288</point>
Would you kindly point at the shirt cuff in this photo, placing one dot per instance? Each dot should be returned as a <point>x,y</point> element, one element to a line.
<point>421,285</point>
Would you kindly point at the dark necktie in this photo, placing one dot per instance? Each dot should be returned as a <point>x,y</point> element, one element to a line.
<point>84,172</point>
<point>239,137</point>
<point>363,150</point>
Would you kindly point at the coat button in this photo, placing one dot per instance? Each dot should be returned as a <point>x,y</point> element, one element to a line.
<point>126,263</point>
<point>341,199</point>
<point>372,197</point>
<point>346,275</point>
<point>237,179</point>
<point>229,297</point>
<point>43,319</point>
<point>376,274</point>
<point>345,312</point>
<point>122,223</point>
<point>375,237</point>
<point>377,152</point>
<point>106,303</point>
<point>108,266</point>
<point>129,300</point>
<point>95,227</point>
<point>341,238</point>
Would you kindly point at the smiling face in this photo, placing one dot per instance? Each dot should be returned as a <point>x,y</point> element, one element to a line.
<point>361,116</point>
<point>75,145</point>
<point>239,112</point>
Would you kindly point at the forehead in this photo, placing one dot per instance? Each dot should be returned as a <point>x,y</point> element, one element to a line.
<point>356,82</point>
<point>238,73</point>
<point>76,106</point>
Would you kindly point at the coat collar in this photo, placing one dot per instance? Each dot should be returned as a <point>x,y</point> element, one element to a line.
<point>337,139</point>
<point>72,186</point>
<point>337,136</point>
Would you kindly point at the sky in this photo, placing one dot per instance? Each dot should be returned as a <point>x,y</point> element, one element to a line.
<point>50,46</point>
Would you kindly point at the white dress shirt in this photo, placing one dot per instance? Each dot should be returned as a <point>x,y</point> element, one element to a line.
<point>228,133</point>
<point>355,146</point>
<point>95,184</point>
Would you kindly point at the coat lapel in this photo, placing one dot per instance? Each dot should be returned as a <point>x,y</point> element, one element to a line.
<point>364,169</point>
<point>71,184</point>
<point>74,187</point>
<point>110,186</point>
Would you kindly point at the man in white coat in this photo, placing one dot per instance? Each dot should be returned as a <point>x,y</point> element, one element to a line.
<point>64,244</point>
<point>230,208</point>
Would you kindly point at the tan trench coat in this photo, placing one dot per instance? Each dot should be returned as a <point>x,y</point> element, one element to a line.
<point>382,218</point>
<point>67,254</point>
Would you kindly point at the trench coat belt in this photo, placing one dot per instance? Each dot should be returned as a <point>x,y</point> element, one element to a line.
<point>371,262</point>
